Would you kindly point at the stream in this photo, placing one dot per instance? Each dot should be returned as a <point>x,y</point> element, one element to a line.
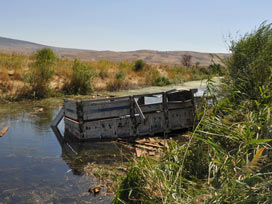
<point>36,168</point>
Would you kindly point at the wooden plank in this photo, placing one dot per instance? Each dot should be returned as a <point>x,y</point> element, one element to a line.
<point>70,109</point>
<point>4,130</point>
<point>138,109</point>
<point>179,105</point>
<point>106,109</point>
<point>148,94</point>
<point>180,95</point>
<point>148,108</point>
<point>87,102</point>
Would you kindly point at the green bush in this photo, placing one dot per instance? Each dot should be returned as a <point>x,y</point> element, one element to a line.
<point>42,73</point>
<point>249,66</point>
<point>120,75</point>
<point>139,65</point>
<point>216,69</point>
<point>227,157</point>
<point>161,81</point>
<point>81,82</point>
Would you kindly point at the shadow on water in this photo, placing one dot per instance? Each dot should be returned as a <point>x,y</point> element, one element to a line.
<point>78,154</point>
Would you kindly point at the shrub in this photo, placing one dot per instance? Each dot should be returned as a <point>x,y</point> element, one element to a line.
<point>81,79</point>
<point>118,83</point>
<point>216,69</point>
<point>204,70</point>
<point>249,66</point>
<point>120,75</point>
<point>42,73</point>
<point>227,158</point>
<point>139,65</point>
<point>161,81</point>
<point>103,74</point>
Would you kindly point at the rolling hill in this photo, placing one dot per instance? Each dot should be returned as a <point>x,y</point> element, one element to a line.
<point>8,45</point>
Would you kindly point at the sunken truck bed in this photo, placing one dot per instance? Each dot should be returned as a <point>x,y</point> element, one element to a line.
<point>129,116</point>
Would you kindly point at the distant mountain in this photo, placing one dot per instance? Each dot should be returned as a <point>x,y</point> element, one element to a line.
<point>8,45</point>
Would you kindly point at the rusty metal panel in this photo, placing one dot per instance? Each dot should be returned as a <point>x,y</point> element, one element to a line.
<point>106,109</point>
<point>70,109</point>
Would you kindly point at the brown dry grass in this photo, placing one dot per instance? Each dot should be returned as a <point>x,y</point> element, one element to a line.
<point>15,68</point>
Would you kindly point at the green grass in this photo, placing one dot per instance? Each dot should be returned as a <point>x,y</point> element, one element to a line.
<point>227,158</point>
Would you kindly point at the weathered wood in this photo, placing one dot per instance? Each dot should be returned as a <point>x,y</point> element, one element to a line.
<point>4,130</point>
<point>129,116</point>
<point>106,109</point>
<point>70,109</point>
<point>147,108</point>
<point>139,111</point>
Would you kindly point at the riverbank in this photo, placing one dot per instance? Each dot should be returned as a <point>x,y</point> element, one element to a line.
<point>34,77</point>
<point>51,102</point>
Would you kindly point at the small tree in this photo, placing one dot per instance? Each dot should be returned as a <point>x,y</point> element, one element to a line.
<point>81,79</point>
<point>186,61</point>
<point>139,65</point>
<point>42,72</point>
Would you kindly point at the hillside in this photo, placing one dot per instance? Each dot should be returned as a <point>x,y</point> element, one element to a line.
<point>8,45</point>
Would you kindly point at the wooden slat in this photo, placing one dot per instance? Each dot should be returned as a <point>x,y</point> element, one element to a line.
<point>106,109</point>
<point>4,130</point>
<point>139,110</point>
<point>179,105</point>
<point>151,107</point>
<point>70,109</point>
<point>87,102</point>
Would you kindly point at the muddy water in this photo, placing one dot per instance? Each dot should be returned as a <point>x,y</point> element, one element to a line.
<point>36,168</point>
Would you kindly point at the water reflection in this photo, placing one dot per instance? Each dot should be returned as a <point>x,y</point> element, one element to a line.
<point>33,166</point>
<point>78,154</point>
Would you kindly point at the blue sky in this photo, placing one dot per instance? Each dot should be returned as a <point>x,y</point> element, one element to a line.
<point>121,25</point>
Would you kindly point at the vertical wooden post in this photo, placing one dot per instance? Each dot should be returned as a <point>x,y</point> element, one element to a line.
<point>79,106</point>
<point>193,91</point>
<point>132,115</point>
<point>165,111</point>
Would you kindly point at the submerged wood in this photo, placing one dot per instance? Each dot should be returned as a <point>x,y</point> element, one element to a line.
<point>4,130</point>
<point>129,116</point>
